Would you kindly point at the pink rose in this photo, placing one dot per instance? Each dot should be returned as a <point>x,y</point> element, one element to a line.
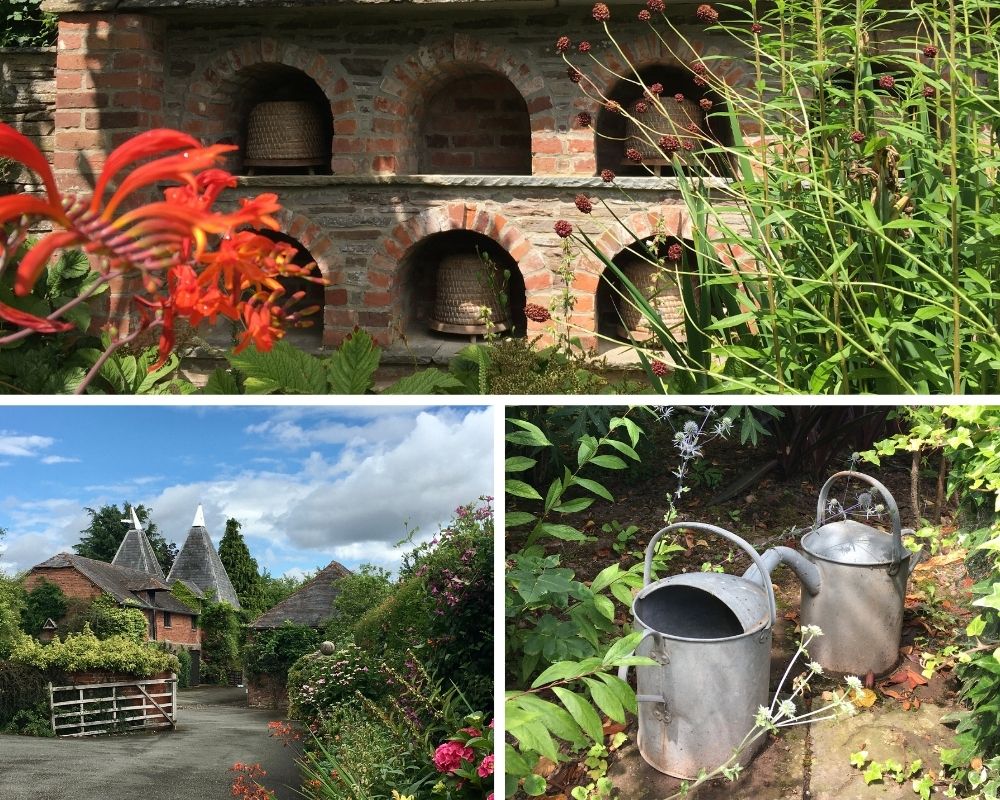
<point>450,755</point>
<point>486,768</point>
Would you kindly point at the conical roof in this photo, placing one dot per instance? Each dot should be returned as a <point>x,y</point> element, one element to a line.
<point>311,604</point>
<point>199,564</point>
<point>135,551</point>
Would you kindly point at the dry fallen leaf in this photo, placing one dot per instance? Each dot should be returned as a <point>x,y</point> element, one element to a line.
<point>864,699</point>
<point>908,678</point>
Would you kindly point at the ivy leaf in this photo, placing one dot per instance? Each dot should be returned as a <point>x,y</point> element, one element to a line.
<point>534,785</point>
<point>859,759</point>
<point>873,773</point>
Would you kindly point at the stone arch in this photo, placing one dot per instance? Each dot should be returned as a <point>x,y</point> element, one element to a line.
<point>408,80</point>
<point>394,246</point>
<point>208,106</point>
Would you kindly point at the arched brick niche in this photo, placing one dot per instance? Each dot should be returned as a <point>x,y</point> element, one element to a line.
<point>410,86</point>
<point>683,109</point>
<point>407,283</point>
<point>658,266</point>
<point>219,102</point>
<point>474,123</point>
<point>491,270</point>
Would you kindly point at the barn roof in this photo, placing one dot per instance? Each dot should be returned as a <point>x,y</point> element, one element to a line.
<point>199,564</point>
<point>311,605</point>
<point>124,584</point>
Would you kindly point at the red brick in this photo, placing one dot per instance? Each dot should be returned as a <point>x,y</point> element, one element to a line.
<point>547,145</point>
<point>67,119</point>
<point>384,164</point>
<point>79,140</point>
<point>377,299</point>
<point>81,100</point>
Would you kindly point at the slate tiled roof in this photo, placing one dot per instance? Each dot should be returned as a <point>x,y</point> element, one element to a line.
<point>135,552</point>
<point>124,584</point>
<point>311,605</point>
<point>198,564</point>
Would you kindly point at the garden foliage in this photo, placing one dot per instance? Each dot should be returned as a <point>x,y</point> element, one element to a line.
<point>24,24</point>
<point>46,601</point>
<point>969,438</point>
<point>563,642</point>
<point>220,642</point>
<point>359,593</point>
<point>850,245</point>
<point>273,651</point>
<point>80,652</point>
<point>107,618</point>
<point>242,569</point>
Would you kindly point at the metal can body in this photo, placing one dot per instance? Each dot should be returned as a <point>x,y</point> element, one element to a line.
<point>710,691</point>
<point>860,611</point>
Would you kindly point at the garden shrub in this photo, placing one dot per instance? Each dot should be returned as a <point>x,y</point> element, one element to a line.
<point>316,683</point>
<point>220,637</point>
<point>358,594</point>
<point>181,592</point>
<point>400,621</point>
<point>11,603</point>
<point>32,721</point>
<point>46,601</point>
<point>184,668</point>
<point>107,618</point>
<point>22,687</point>
<point>274,651</point>
<point>82,652</point>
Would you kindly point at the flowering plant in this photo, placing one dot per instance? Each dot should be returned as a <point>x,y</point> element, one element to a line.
<point>465,761</point>
<point>193,262</point>
<point>317,682</point>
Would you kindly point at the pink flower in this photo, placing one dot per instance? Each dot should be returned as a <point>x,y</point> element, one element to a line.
<point>450,755</point>
<point>486,768</point>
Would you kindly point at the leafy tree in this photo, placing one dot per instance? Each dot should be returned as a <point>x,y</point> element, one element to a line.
<point>100,540</point>
<point>24,24</point>
<point>45,601</point>
<point>11,603</point>
<point>274,590</point>
<point>108,618</point>
<point>366,589</point>
<point>242,569</point>
<point>273,651</point>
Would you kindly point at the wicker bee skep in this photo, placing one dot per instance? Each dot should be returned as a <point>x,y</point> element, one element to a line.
<point>285,132</point>
<point>660,288</point>
<point>675,121</point>
<point>464,288</point>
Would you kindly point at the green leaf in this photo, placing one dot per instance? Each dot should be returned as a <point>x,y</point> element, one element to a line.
<point>605,577</point>
<point>605,699</point>
<point>623,647</point>
<point>976,626</point>
<point>565,532</point>
<point>521,489</point>
<point>530,434</point>
<point>582,711</point>
<point>608,462</point>
<point>284,369</point>
<point>534,785</point>
<point>605,607</point>
<point>427,381</point>
<point>990,601</point>
<point>519,464</point>
<point>221,381</point>
<point>351,368</point>
<point>872,773</point>
<point>560,671</point>
<point>514,519</point>
<point>621,690</point>
<point>574,505</point>
<point>595,487</point>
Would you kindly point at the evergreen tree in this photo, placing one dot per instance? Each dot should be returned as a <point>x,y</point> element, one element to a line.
<point>242,569</point>
<point>100,540</point>
<point>46,601</point>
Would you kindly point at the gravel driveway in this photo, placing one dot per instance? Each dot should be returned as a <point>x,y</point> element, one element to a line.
<point>214,730</point>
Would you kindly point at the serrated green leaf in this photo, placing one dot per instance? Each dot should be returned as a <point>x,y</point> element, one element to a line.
<point>351,368</point>
<point>608,462</point>
<point>426,381</point>
<point>283,369</point>
<point>595,487</point>
<point>221,381</point>
<point>529,434</point>
<point>515,519</point>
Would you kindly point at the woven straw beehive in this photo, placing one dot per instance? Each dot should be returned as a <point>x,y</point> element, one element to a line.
<point>288,132</point>
<point>660,288</point>
<point>463,288</point>
<point>674,121</point>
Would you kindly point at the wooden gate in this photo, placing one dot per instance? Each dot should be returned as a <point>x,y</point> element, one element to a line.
<point>94,708</point>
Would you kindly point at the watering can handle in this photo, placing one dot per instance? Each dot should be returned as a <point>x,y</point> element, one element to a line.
<point>897,525</point>
<point>732,537</point>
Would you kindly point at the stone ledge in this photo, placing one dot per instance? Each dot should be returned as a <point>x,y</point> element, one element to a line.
<point>86,6</point>
<point>467,181</point>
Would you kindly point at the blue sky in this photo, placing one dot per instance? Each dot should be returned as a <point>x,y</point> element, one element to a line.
<point>308,483</point>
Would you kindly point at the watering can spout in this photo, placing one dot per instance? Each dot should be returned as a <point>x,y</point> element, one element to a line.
<point>805,571</point>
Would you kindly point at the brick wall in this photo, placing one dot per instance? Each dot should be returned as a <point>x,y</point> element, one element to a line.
<point>476,125</point>
<point>181,630</point>
<point>27,101</point>
<point>72,583</point>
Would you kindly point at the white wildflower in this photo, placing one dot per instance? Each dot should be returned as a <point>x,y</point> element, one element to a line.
<point>853,682</point>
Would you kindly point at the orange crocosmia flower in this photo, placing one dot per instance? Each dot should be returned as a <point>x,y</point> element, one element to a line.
<point>196,262</point>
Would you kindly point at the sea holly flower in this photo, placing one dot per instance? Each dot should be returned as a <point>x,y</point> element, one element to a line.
<point>601,12</point>
<point>563,44</point>
<point>194,262</point>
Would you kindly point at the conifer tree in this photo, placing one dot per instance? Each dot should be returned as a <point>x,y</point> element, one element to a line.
<point>242,569</point>
<point>100,540</point>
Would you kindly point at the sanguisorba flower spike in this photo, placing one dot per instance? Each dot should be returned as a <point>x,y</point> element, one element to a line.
<point>168,242</point>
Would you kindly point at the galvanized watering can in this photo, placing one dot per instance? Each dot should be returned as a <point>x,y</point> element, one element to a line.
<point>853,584</point>
<point>710,635</point>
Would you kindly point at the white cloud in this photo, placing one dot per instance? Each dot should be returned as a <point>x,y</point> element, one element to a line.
<point>12,444</point>
<point>59,460</point>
